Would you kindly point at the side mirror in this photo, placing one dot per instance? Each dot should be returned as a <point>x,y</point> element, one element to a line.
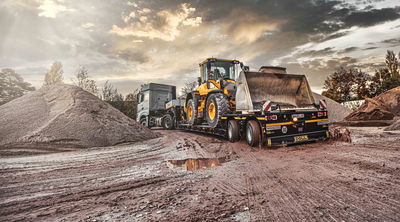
<point>199,81</point>
<point>208,66</point>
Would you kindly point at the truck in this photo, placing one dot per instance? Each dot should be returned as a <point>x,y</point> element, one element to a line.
<point>267,107</point>
<point>151,101</point>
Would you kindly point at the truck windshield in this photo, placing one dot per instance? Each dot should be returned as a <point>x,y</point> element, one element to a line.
<point>222,69</point>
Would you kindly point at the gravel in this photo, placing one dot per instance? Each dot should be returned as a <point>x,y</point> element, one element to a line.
<point>66,115</point>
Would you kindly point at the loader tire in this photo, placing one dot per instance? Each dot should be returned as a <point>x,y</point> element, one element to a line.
<point>217,106</point>
<point>233,131</point>
<point>253,133</point>
<point>168,122</point>
<point>192,112</point>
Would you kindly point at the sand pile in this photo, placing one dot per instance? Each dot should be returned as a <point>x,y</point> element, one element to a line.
<point>68,115</point>
<point>386,106</point>
<point>336,111</point>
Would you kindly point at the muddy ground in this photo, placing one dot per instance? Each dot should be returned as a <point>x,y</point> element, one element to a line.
<point>330,181</point>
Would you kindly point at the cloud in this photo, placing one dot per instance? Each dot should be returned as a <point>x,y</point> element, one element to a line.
<point>371,17</point>
<point>51,8</point>
<point>165,25</point>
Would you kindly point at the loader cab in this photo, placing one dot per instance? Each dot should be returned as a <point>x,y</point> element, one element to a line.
<point>214,69</point>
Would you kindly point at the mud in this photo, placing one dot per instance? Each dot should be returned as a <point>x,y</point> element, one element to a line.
<point>331,181</point>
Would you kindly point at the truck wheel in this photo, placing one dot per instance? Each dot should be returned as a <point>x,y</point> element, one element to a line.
<point>233,131</point>
<point>168,122</point>
<point>143,122</point>
<point>253,133</point>
<point>217,105</point>
<point>191,112</point>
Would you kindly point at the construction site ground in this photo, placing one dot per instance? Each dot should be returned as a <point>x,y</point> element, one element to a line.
<point>154,181</point>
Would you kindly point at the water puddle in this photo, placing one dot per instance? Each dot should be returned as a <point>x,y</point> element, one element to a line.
<point>193,164</point>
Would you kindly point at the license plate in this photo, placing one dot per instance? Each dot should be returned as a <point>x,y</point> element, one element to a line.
<point>300,138</point>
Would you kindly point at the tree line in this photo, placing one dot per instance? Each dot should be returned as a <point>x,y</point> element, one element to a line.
<point>12,86</point>
<point>353,84</point>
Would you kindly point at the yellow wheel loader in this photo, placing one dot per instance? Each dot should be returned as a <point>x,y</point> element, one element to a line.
<point>215,95</point>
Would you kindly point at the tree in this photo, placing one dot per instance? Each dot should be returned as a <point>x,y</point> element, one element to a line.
<point>392,64</point>
<point>84,82</point>
<point>12,86</point>
<point>55,75</point>
<point>189,87</point>
<point>345,85</point>
<point>130,104</point>
<point>388,77</point>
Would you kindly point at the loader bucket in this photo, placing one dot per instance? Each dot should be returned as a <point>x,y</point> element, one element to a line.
<point>253,88</point>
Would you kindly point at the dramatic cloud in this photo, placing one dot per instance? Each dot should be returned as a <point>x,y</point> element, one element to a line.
<point>131,42</point>
<point>164,24</point>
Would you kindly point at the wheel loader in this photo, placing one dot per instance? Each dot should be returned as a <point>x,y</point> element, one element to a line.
<point>215,95</point>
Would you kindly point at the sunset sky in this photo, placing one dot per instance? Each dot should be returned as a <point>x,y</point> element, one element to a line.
<point>134,42</point>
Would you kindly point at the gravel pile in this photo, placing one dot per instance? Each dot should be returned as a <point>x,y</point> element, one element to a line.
<point>336,111</point>
<point>65,114</point>
<point>386,106</point>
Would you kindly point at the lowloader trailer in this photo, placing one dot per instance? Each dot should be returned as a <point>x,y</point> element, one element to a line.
<point>267,107</point>
<point>271,128</point>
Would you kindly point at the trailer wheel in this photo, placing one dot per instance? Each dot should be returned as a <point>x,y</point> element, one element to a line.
<point>143,122</point>
<point>233,131</point>
<point>252,133</point>
<point>191,112</point>
<point>168,122</point>
<point>217,105</point>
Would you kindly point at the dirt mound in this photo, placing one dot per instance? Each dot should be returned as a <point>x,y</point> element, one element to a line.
<point>337,112</point>
<point>383,107</point>
<point>65,114</point>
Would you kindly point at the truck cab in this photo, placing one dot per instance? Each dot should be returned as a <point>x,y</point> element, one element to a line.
<point>152,99</point>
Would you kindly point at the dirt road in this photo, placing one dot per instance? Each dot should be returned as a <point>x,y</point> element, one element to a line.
<point>144,182</point>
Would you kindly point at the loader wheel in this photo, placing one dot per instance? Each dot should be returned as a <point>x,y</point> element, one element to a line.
<point>217,105</point>
<point>191,112</point>
<point>168,122</point>
<point>233,131</point>
<point>253,133</point>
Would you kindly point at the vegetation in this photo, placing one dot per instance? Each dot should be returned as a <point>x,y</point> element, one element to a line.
<point>127,105</point>
<point>12,86</point>
<point>353,84</point>
<point>55,75</point>
<point>83,81</point>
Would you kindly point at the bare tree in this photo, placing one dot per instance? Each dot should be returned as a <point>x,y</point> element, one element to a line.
<point>189,87</point>
<point>55,75</point>
<point>84,82</point>
<point>12,86</point>
<point>392,64</point>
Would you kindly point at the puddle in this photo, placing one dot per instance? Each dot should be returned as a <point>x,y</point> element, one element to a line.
<point>192,164</point>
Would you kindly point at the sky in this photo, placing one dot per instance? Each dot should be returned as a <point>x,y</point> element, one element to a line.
<point>139,41</point>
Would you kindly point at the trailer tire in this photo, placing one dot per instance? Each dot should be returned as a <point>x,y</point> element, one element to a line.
<point>253,133</point>
<point>143,122</point>
<point>233,131</point>
<point>217,105</point>
<point>168,122</point>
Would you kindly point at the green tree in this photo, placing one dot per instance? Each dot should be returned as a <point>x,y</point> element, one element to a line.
<point>130,104</point>
<point>388,77</point>
<point>346,85</point>
<point>12,86</point>
<point>83,81</point>
<point>55,75</point>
